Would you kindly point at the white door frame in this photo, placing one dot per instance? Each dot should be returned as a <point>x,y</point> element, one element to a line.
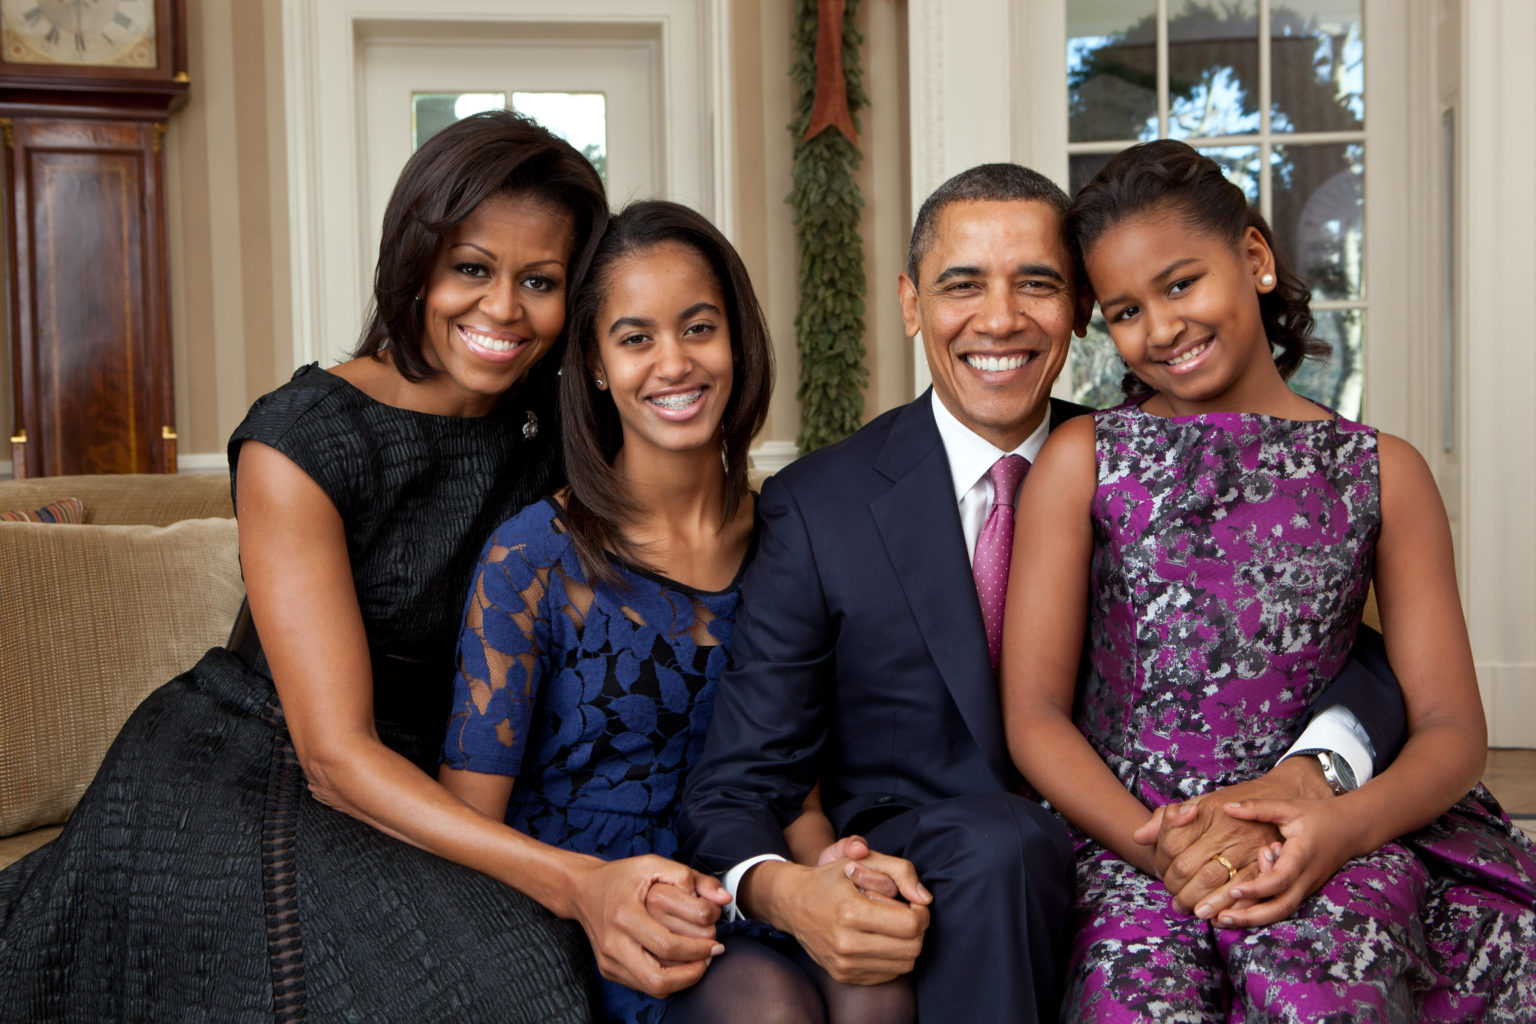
<point>331,270</point>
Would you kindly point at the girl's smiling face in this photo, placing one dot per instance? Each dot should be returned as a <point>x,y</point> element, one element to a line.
<point>494,302</point>
<point>1182,306</point>
<point>664,349</point>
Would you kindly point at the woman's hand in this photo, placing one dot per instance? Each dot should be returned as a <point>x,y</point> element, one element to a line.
<point>1319,837</point>
<point>650,921</point>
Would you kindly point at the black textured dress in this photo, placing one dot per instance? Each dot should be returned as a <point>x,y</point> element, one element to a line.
<point>198,879</point>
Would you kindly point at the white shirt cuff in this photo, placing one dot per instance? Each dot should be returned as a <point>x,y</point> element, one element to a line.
<point>1338,730</point>
<point>734,876</point>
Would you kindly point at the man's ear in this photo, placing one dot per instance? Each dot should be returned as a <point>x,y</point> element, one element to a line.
<point>906,289</point>
<point>1084,311</point>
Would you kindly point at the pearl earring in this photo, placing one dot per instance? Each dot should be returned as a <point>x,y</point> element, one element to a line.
<point>599,382</point>
<point>1267,280</point>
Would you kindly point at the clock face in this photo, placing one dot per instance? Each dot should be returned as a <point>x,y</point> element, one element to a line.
<point>101,33</point>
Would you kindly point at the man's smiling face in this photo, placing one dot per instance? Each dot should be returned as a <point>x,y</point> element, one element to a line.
<point>994,300</point>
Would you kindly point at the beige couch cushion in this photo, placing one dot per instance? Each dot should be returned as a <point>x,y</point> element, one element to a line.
<point>154,499</point>
<point>92,618</point>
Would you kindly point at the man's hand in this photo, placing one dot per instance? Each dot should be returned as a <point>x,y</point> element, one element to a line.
<point>1187,837</point>
<point>636,945</point>
<point>860,938</point>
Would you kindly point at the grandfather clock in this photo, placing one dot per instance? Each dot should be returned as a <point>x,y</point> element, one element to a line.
<point>86,88</point>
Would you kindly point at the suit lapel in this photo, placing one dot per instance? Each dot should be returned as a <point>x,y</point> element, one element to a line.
<point>919,523</point>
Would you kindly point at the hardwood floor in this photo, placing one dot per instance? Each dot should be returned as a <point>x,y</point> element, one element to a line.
<point>1511,776</point>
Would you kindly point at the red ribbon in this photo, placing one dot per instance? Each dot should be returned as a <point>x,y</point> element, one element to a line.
<point>830,109</point>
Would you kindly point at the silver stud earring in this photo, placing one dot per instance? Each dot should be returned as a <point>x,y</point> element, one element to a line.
<point>599,382</point>
<point>1267,280</point>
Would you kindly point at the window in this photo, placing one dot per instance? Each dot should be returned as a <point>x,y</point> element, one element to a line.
<point>580,118</point>
<point>1274,91</point>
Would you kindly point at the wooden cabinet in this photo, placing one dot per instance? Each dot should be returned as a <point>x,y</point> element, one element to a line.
<point>83,116</point>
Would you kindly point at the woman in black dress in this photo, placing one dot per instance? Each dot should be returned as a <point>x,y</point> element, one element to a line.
<point>252,849</point>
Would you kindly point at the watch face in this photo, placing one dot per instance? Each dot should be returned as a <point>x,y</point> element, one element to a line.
<point>100,33</point>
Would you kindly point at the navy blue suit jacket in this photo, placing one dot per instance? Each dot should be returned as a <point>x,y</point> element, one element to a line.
<point>858,657</point>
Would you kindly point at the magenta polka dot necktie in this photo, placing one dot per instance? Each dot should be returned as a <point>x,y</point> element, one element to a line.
<point>994,548</point>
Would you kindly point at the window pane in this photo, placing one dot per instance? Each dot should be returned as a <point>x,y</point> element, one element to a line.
<point>1319,216</point>
<point>1241,166</point>
<point>1337,382</point>
<point>431,112</point>
<point>1096,368</point>
<point>1082,167</point>
<point>580,118</point>
<point>1317,66</point>
<point>1213,69</point>
<point>1111,70</point>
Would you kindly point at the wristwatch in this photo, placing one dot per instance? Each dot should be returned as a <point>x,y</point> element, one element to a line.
<point>1336,770</point>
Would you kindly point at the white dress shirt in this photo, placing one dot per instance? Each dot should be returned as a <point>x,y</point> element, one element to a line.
<point>970,461</point>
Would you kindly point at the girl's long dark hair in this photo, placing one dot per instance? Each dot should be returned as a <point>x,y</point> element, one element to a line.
<point>597,509</point>
<point>1170,175</point>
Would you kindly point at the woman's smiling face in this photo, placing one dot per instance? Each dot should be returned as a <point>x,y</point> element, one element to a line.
<point>664,348</point>
<point>494,302</point>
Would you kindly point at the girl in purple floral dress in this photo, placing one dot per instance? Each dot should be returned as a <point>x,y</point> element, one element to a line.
<point>1216,537</point>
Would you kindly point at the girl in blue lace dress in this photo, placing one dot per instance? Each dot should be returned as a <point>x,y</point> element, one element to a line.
<point>1218,535</point>
<point>600,619</point>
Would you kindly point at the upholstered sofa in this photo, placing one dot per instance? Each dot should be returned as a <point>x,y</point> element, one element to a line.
<point>95,615</point>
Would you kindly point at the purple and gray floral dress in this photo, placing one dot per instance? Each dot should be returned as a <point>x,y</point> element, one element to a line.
<point>1232,555</point>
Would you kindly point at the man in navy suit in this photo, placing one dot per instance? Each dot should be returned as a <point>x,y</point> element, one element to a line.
<point>860,659</point>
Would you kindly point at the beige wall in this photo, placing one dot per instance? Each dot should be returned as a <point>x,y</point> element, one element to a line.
<point>228,213</point>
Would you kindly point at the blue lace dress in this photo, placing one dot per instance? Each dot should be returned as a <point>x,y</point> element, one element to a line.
<point>596,697</point>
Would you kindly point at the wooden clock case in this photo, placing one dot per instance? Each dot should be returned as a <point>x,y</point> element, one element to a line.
<point>86,251</point>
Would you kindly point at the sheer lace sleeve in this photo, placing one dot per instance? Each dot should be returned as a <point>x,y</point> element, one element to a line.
<point>504,643</point>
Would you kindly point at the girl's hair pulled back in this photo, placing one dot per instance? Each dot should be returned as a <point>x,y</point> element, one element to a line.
<point>1168,175</point>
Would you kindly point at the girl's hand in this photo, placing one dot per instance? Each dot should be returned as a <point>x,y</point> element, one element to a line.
<point>631,945</point>
<point>1318,839</point>
<point>685,912</point>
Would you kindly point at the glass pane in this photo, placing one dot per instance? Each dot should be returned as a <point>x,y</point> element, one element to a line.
<point>1213,69</point>
<point>431,112</point>
<point>1111,70</point>
<point>1241,166</point>
<point>1319,216</point>
<point>1317,66</point>
<point>580,118</point>
<point>1337,381</point>
<point>1082,167</point>
<point>1096,368</point>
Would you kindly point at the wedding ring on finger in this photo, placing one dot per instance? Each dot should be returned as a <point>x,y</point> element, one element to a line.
<point>1231,871</point>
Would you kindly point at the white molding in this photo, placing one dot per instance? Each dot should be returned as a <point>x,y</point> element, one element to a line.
<point>197,462</point>
<point>1496,422</point>
<point>203,462</point>
<point>331,272</point>
<point>772,456</point>
<point>722,123</point>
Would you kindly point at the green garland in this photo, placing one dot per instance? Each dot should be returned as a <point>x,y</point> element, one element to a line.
<point>829,324</point>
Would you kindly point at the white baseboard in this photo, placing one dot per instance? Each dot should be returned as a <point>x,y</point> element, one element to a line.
<point>1509,702</point>
<point>198,462</point>
<point>203,462</point>
<point>772,456</point>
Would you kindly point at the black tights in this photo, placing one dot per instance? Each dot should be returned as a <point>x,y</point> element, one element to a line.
<point>773,982</point>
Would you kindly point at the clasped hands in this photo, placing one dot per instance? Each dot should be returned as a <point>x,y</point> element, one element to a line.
<point>651,921</point>
<point>1283,836</point>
